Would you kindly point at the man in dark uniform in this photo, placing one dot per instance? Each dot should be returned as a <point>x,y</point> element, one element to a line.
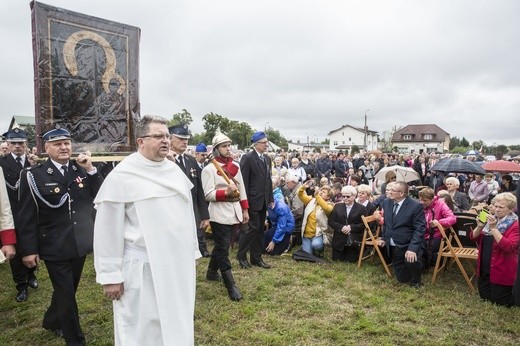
<point>188,164</point>
<point>256,172</point>
<point>12,164</point>
<point>201,154</point>
<point>56,202</point>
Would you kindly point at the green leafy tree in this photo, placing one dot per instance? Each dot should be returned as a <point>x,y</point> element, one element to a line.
<point>354,150</point>
<point>501,150</point>
<point>277,138</point>
<point>454,142</point>
<point>238,132</point>
<point>464,142</point>
<point>196,138</point>
<point>459,150</point>
<point>211,123</point>
<point>184,117</point>
<point>326,141</point>
<point>477,145</point>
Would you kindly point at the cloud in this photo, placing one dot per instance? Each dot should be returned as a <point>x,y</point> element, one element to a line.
<point>307,67</point>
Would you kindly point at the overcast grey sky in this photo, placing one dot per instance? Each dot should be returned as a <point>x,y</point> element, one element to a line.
<point>307,67</point>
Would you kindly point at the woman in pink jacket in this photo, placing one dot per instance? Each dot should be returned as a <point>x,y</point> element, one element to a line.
<point>434,209</point>
<point>498,240</point>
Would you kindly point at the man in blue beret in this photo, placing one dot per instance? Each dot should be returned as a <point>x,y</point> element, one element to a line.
<point>201,154</point>
<point>56,201</point>
<point>256,172</point>
<point>12,164</point>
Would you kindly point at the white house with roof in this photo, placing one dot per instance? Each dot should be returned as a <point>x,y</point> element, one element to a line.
<point>347,136</point>
<point>21,122</point>
<point>421,138</point>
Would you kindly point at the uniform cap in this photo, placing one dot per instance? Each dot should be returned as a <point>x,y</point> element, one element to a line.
<point>15,135</point>
<point>57,134</point>
<point>180,131</point>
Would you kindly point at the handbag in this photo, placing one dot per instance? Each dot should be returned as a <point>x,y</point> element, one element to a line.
<point>351,242</point>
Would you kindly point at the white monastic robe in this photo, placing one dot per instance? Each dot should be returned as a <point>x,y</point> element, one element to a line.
<point>145,236</point>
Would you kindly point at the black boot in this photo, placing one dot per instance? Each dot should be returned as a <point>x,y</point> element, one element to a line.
<point>212,274</point>
<point>229,282</point>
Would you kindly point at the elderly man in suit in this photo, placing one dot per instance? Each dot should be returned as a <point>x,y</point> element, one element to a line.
<point>56,202</point>
<point>188,164</point>
<point>12,164</point>
<point>403,233</point>
<point>256,172</point>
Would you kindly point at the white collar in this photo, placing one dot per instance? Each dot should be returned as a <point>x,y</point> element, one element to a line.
<point>22,156</point>
<point>59,165</point>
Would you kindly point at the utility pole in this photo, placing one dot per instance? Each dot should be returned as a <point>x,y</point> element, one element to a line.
<point>366,132</point>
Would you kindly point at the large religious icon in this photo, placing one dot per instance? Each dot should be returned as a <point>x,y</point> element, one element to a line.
<point>86,78</point>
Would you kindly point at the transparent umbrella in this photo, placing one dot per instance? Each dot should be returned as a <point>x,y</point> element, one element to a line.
<point>405,174</point>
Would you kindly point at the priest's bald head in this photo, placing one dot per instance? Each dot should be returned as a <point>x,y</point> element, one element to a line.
<point>153,138</point>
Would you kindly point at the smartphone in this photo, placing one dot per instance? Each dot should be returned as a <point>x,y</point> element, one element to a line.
<point>483,215</point>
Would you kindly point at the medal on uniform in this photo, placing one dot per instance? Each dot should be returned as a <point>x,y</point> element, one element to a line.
<point>74,168</point>
<point>50,170</point>
<point>79,180</point>
<point>57,190</point>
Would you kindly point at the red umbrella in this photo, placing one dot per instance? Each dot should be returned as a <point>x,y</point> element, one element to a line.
<point>501,166</point>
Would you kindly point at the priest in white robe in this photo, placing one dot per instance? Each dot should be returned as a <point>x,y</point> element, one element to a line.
<point>145,243</point>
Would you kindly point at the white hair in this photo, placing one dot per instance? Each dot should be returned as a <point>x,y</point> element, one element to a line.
<point>349,189</point>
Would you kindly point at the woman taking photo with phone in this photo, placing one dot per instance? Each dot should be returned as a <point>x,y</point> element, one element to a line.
<point>498,240</point>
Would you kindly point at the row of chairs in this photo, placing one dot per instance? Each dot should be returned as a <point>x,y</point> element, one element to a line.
<point>455,246</point>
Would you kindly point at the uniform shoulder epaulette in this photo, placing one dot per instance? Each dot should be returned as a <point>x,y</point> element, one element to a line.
<point>34,166</point>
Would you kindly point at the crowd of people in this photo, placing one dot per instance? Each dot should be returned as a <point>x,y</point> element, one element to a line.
<point>412,242</point>
<point>163,199</point>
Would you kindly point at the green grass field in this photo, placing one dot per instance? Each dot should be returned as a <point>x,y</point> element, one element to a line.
<point>293,303</point>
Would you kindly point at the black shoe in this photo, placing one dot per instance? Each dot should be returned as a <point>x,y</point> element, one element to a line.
<point>244,264</point>
<point>205,254</point>
<point>58,332</point>
<point>261,264</point>
<point>33,282</point>
<point>416,285</point>
<point>22,295</point>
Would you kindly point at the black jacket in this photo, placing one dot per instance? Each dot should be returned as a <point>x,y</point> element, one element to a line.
<point>192,171</point>
<point>257,180</point>
<point>12,170</point>
<point>338,219</point>
<point>57,233</point>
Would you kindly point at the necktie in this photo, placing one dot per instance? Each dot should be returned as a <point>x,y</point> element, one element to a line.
<point>262,158</point>
<point>181,162</point>
<point>19,160</point>
<point>396,205</point>
<point>65,170</point>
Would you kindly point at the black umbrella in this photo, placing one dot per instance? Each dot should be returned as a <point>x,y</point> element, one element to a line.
<point>301,255</point>
<point>457,165</point>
